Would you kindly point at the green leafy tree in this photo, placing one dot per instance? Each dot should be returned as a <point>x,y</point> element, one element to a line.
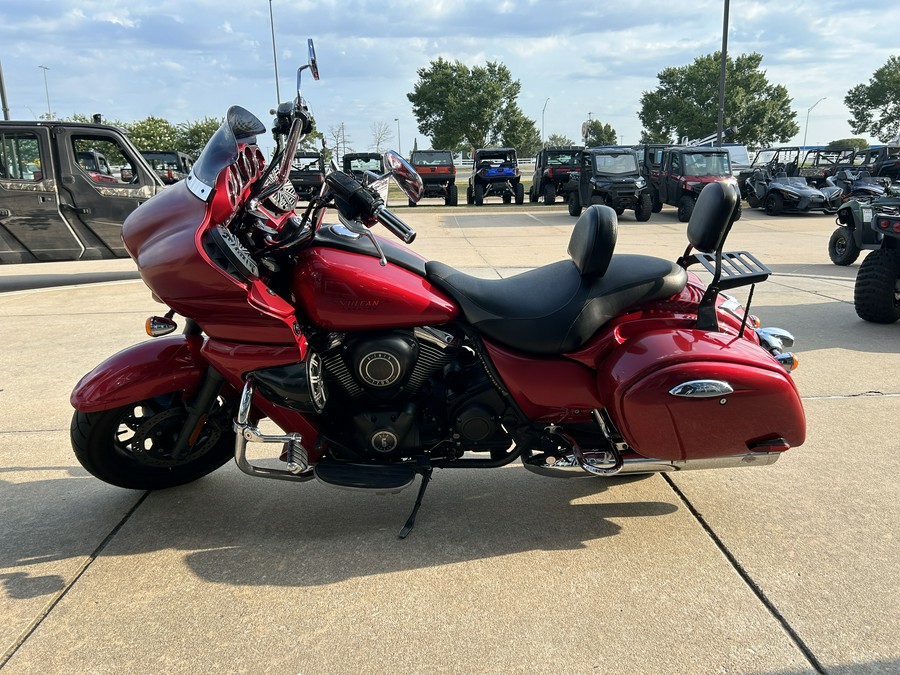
<point>461,108</point>
<point>192,136</point>
<point>876,106</point>
<point>600,134</point>
<point>520,132</point>
<point>856,143</point>
<point>153,133</point>
<point>686,103</point>
<point>560,141</point>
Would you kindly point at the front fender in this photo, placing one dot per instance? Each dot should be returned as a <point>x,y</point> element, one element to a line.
<point>142,371</point>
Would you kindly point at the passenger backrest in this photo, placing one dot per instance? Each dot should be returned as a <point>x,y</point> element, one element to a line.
<point>593,240</point>
<point>712,216</point>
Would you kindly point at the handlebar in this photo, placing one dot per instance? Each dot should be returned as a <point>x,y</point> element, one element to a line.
<point>355,201</point>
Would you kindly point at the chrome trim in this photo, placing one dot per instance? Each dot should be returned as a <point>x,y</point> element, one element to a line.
<point>438,338</point>
<point>567,466</point>
<point>199,189</point>
<point>298,458</point>
<point>775,339</point>
<point>702,389</point>
<point>342,230</point>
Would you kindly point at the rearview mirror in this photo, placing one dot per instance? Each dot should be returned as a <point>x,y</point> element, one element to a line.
<point>405,175</point>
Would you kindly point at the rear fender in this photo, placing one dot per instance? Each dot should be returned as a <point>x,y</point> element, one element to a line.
<point>142,371</point>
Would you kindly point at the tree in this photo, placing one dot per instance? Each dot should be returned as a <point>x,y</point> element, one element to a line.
<point>559,141</point>
<point>856,143</point>
<point>461,108</point>
<point>153,133</point>
<point>340,141</point>
<point>520,132</point>
<point>686,102</point>
<point>600,134</point>
<point>381,135</point>
<point>876,106</point>
<point>193,136</point>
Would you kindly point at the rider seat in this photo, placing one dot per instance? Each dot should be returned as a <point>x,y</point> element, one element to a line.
<point>557,308</point>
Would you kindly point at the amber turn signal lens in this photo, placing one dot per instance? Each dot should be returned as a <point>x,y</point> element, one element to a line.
<point>159,325</point>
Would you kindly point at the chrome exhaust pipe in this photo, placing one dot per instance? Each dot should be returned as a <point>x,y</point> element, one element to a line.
<point>568,466</point>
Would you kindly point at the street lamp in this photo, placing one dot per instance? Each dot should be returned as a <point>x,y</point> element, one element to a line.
<point>399,146</point>
<point>47,90</point>
<point>274,57</point>
<point>542,119</point>
<point>809,110</point>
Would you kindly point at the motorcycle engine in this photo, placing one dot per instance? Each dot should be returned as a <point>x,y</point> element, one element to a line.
<point>404,390</point>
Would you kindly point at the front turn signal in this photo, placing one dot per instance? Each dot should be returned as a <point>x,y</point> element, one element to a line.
<point>788,360</point>
<point>157,326</point>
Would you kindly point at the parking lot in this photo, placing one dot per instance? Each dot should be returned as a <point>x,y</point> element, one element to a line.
<point>792,568</point>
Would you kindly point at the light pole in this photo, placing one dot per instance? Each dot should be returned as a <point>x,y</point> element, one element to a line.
<point>542,119</point>
<point>720,125</point>
<point>47,90</point>
<point>809,110</point>
<point>399,145</point>
<point>274,57</point>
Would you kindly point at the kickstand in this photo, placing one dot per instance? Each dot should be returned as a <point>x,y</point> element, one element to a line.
<point>426,477</point>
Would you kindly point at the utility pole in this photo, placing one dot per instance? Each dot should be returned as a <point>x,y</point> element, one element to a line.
<point>274,57</point>
<point>542,119</point>
<point>47,90</point>
<point>721,124</point>
<point>3,100</point>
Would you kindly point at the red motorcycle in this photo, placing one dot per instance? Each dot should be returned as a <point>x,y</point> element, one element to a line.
<point>380,366</point>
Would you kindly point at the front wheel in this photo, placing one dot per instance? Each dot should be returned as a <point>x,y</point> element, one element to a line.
<point>842,249</point>
<point>644,208</point>
<point>876,295</point>
<point>774,204</point>
<point>752,200</point>
<point>131,446</point>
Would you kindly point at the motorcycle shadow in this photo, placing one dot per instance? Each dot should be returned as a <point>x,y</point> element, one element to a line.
<point>258,533</point>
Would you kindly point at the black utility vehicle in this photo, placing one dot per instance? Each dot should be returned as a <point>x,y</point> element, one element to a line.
<point>171,166</point>
<point>854,232</point>
<point>438,174</point>
<point>495,172</point>
<point>684,172</point>
<point>876,294</point>
<point>358,163</point>
<point>881,162</point>
<point>555,174</point>
<point>307,173</point>
<point>611,176</point>
<point>65,188</point>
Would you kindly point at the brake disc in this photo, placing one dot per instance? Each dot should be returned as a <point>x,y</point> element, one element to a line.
<point>154,440</point>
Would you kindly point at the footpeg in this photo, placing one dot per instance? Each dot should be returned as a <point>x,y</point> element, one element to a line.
<point>297,456</point>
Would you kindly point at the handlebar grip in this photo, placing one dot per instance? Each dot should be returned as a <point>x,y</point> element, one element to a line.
<point>353,199</point>
<point>397,227</point>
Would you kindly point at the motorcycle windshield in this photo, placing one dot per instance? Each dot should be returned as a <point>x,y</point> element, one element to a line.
<point>222,148</point>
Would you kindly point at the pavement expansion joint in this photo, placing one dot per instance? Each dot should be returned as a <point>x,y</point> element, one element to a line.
<point>760,594</point>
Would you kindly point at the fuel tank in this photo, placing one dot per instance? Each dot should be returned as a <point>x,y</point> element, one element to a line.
<point>343,290</point>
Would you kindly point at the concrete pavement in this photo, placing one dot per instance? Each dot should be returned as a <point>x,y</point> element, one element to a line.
<point>792,568</point>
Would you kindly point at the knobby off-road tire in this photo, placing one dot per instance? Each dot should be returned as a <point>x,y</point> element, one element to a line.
<point>470,198</point>
<point>644,208</point>
<point>520,194</point>
<point>479,195</point>
<point>685,208</point>
<point>532,194</point>
<point>550,194</point>
<point>656,200</point>
<point>131,446</point>
<point>574,204</point>
<point>452,198</point>
<point>842,248</point>
<point>876,294</point>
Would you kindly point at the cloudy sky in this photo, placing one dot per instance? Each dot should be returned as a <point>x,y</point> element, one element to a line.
<point>188,59</point>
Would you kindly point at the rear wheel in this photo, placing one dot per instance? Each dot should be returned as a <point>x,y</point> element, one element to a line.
<point>520,194</point>
<point>479,195</point>
<point>685,208</point>
<point>550,194</point>
<point>452,198</point>
<point>842,249</point>
<point>532,194</point>
<point>774,204</point>
<point>574,204</point>
<point>131,446</point>
<point>876,295</point>
<point>470,198</point>
<point>644,208</point>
